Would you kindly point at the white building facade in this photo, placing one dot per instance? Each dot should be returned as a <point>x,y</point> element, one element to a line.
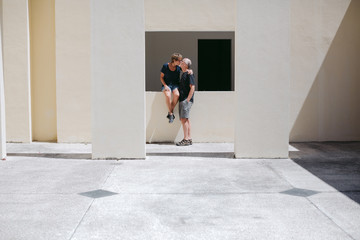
<point>88,71</point>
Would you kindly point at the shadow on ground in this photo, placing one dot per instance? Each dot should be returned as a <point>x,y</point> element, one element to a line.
<point>336,163</point>
<point>195,154</point>
<point>54,155</point>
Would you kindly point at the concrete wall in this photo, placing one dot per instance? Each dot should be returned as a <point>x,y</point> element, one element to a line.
<point>2,95</point>
<point>183,15</point>
<point>43,76</point>
<point>262,79</point>
<point>118,79</point>
<point>324,93</point>
<point>73,85</point>
<point>17,70</point>
<point>211,116</point>
<point>325,77</point>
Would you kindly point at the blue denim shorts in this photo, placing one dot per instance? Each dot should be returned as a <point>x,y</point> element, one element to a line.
<point>171,86</point>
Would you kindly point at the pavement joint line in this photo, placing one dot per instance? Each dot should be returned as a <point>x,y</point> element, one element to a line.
<point>215,194</point>
<point>328,217</point>
<point>281,176</point>
<point>110,172</point>
<point>82,218</point>
<point>172,193</point>
<point>87,210</point>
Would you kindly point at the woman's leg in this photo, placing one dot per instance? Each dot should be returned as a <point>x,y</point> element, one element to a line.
<point>167,93</point>
<point>176,95</point>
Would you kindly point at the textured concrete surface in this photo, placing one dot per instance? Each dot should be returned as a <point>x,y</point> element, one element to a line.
<point>48,191</point>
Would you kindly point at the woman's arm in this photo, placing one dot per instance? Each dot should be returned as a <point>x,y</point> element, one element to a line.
<point>162,80</point>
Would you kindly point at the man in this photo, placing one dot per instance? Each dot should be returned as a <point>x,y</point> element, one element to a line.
<point>186,99</point>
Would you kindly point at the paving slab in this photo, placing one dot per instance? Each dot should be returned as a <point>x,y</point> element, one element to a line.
<point>194,175</point>
<point>342,210</point>
<point>297,176</point>
<point>48,175</point>
<point>55,191</point>
<point>206,216</point>
<point>40,216</point>
<point>41,147</point>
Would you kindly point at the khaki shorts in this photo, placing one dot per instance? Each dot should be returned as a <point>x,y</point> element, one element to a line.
<point>184,109</point>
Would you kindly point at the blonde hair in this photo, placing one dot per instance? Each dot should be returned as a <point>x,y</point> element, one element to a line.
<point>176,57</point>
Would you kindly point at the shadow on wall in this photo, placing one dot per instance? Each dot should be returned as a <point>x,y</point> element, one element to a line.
<point>158,129</point>
<point>331,110</point>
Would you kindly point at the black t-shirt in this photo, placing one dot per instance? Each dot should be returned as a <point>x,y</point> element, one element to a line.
<point>171,77</point>
<point>184,86</point>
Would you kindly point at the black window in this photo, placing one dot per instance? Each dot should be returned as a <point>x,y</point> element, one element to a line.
<point>214,65</point>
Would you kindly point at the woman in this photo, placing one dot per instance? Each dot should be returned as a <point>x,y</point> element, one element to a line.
<point>169,77</point>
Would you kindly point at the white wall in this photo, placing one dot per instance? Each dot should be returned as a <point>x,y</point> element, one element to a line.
<point>325,77</point>
<point>118,79</point>
<point>183,15</point>
<point>2,96</point>
<point>262,79</point>
<point>43,70</point>
<point>324,65</point>
<point>73,85</point>
<point>17,70</point>
<point>211,117</point>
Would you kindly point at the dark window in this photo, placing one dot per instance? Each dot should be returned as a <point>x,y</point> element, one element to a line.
<point>160,45</point>
<point>214,65</point>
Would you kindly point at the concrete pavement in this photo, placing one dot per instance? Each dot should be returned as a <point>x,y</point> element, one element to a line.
<point>55,191</point>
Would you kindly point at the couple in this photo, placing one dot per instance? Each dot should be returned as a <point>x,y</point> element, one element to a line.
<point>182,89</point>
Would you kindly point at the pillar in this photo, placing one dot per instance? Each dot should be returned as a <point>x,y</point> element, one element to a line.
<point>73,85</point>
<point>16,52</point>
<point>118,84</point>
<point>43,70</point>
<point>262,79</point>
<point>2,97</point>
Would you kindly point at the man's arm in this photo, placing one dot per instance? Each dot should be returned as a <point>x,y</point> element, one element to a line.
<point>191,93</point>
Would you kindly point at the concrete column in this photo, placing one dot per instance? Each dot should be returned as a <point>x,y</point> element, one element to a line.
<point>118,84</point>
<point>262,79</point>
<point>73,85</point>
<point>2,97</point>
<point>43,70</point>
<point>16,52</point>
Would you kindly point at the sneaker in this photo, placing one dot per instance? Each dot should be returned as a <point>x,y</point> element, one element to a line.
<point>183,143</point>
<point>168,116</point>
<point>171,118</point>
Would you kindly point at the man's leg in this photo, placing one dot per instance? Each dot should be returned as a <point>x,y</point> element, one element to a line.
<point>189,129</point>
<point>185,127</point>
<point>184,142</point>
